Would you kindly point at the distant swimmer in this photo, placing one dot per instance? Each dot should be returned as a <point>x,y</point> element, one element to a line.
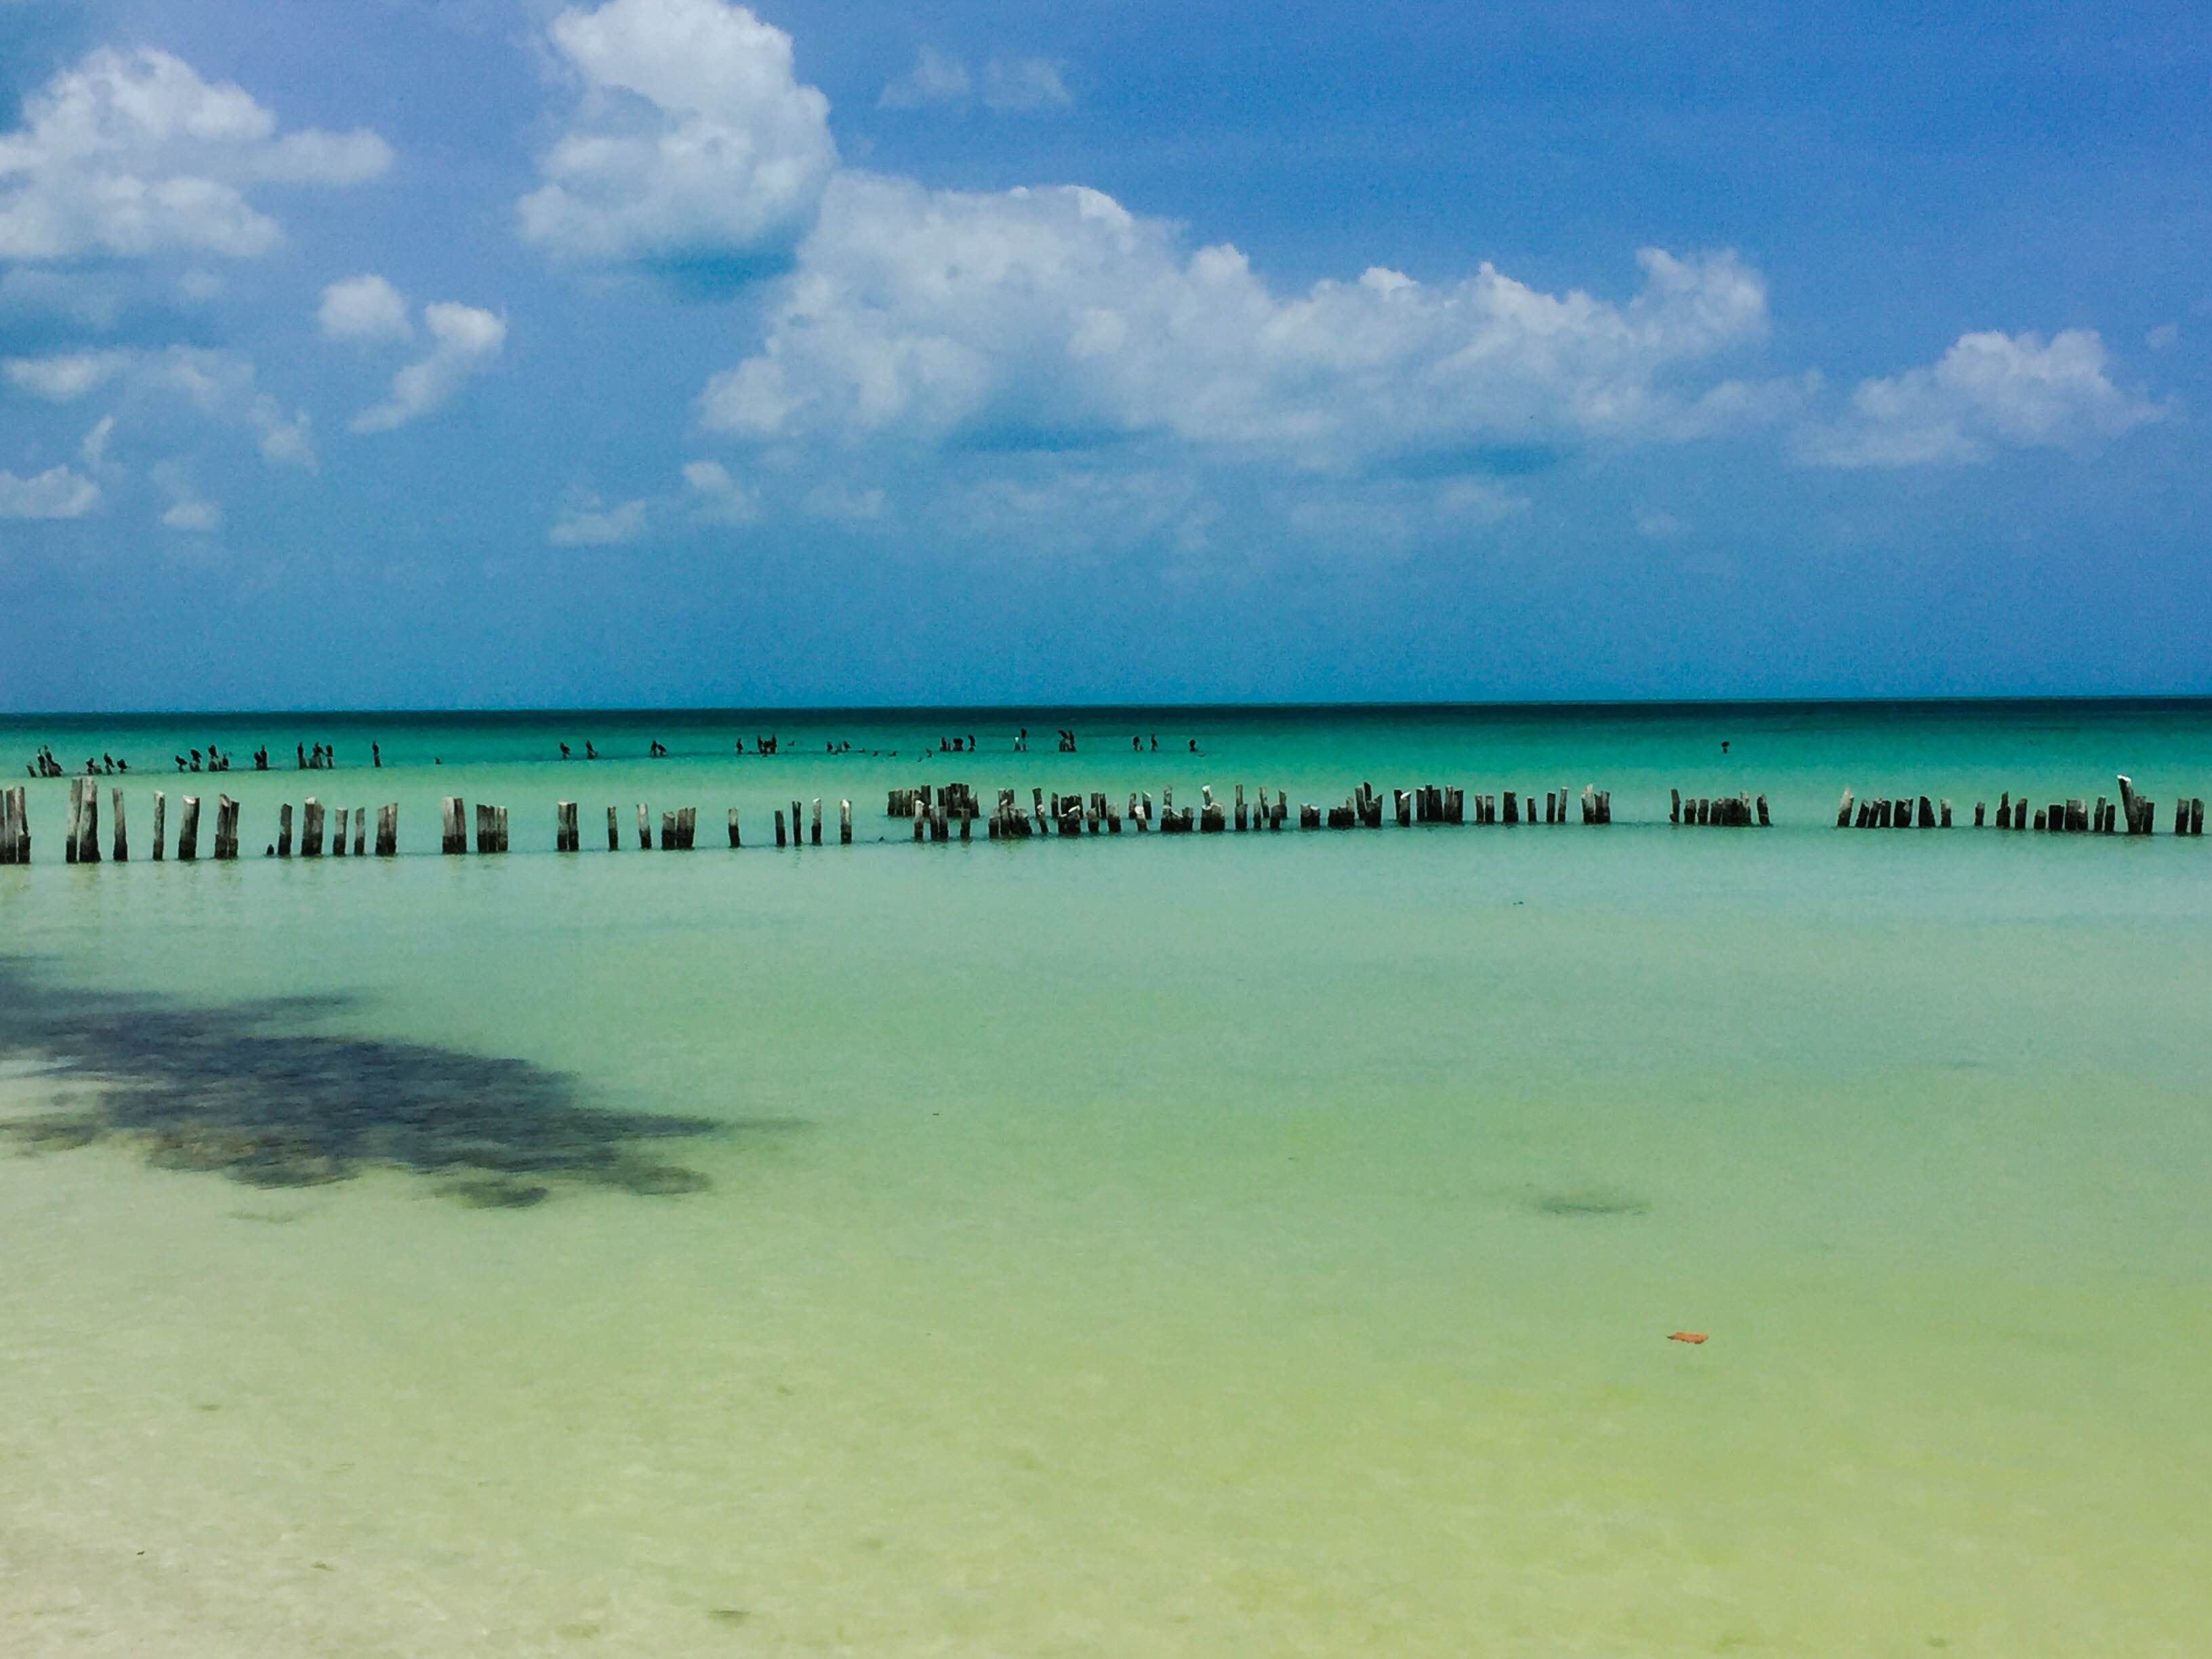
<point>564,752</point>
<point>1193,745</point>
<point>376,754</point>
<point>659,749</point>
<point>1724,745</point>
<point>590,753</point>
<point>1156,743</point>
<point>1136,745</point>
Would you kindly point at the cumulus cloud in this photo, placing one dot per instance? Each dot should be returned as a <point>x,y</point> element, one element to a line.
<point>692,145</point>
<point>1025,86</point>
<point>717,498</point>
<point>1056,316</point>
<point>132,154</point>
<point>937,77</point>
<point>591,523</point>
<point>1990,391</point>
<point>188,511</point>
<point>464,341</point>
<point>221,385</point>
<point>66,376</point>
<point>92,452</point>
<point>366,308</point>
<point>56,493</point>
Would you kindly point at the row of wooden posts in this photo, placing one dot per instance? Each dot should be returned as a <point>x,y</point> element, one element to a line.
<point>949,811</point>
<point>2132,814</point>
<point>935,813</point>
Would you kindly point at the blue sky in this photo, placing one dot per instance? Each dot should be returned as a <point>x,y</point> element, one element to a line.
<point>491,352</point>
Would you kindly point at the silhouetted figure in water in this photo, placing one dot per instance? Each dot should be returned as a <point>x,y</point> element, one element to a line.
<point>1156,743</point>
<point>1193,745</point>
<point>261,758</point>
<point>299,758</point>
<point>196,760</point>
<point>564,755</point>
<point>590,753</point>
<point>1724,745</point>
<point>376,754</point>
<point>659,749</point>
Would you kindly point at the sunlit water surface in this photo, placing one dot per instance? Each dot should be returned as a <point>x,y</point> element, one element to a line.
<point>1261,1244</point>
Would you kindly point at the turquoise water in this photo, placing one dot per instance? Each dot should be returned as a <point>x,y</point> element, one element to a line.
<point>1260,1244</point>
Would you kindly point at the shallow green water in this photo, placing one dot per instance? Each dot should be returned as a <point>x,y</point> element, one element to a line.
<point>1259,1245</point>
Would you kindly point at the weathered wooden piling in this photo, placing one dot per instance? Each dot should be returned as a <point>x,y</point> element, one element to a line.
<point>614,831</point>
<point>669,839</point>
<point>687,827</point>
<point>449,832</point>
<point>487,834</point>
<point>1978,814</point>
<point>779,826</point>
<point>564,827</point>
<point>338,835</point>
<point>284,830</point>
<point>387,830</point>
<point>1943,814</point>
<point>188,830</point>
<point>360,830</point>
<point>311,829</point>
<point>14,827</point>
<point>121,851</point>
<point>644,829</point>
<point>814,823</point>
<point>734,840</point>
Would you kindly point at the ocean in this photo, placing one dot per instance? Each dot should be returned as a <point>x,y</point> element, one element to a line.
<point>1240,1244</point>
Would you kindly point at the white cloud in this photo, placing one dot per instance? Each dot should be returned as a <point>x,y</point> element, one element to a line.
<point>66,376</point>
<point>2164,337</point>
<point>1660,526</point>
<point>222,386</point>
<point>936,78</point>
<point>1057,315</point>
<point>1024,86</point>
<point>590,524</point>
<point>56,493</point>
<point>132,154</point>
<point>717,498</point>
<point>92,452</point>
<point>1990,391</point>
<point>842,503</point>
<point>464,342</point>
<point>366,308</point>
<point>692,143</point>
<point>1010,86</point>
<point>188,510</point>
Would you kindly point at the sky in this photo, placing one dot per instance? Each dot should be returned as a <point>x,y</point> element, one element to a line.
<point>497,353</point>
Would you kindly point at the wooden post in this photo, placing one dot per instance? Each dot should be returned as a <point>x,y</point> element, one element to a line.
<point>614,831</point>
<point>73,838</point>
<point>1978,814</point>
<point>225,828</point>
<point>387,830</point>
<point>338,836</point>
<point>733,827</point>
<point>11,826</point>
<point>668,839</point>
<point>87,850</point>
<point>564,826</point>
<point>1944,808</point>
<point>644,829</point>
<point>845,824</point>
<point>1763,821</point>
<point>188,830</point>
<point>121,852</point>
<point>449,831</point>
<point>778,824</point>
<point>284,830</point>
<point>814,823</point>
